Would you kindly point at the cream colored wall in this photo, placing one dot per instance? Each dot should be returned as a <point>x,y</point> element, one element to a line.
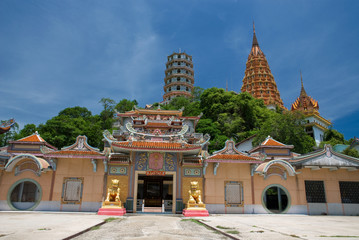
<point>214,185</point>
<point>78,167</point>
<point>9,178</point>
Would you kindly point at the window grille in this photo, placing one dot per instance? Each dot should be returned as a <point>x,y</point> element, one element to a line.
<point>349,192</point>
<point>314,191</point>
<point>72,190</point>
<point>233,193</point>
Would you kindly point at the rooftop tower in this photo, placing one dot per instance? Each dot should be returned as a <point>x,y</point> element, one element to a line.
<point>179,77</point>
<point>316,125</point>
<point>258,79</point>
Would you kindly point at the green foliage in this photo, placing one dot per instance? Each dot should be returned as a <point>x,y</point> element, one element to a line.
<point>107,112</point>
<point>191,108</point>
<point>287,128</point>
<point>26,131</point>
<point>351,152</point>
<point>63,129</point>
<point>125,105</point>
<point>333,137</point>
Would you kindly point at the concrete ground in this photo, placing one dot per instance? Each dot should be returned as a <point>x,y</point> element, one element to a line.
<point>54,225</point>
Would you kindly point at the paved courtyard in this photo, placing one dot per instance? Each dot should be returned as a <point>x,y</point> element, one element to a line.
<point>50,225</point>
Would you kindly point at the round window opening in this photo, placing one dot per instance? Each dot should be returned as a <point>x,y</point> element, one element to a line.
<point>276,199</point>
<point>25,195</point>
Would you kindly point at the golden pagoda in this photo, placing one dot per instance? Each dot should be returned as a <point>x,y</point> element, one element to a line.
<point>316,125</point>
<point>258,79</point>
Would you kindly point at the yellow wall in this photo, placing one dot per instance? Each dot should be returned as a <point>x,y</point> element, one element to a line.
<point>78,167</point>
<point>214,186</point>
<point>9,178</point>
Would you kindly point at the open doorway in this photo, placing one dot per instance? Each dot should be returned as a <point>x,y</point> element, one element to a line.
<point>275,199</point>
<point>154,193</point>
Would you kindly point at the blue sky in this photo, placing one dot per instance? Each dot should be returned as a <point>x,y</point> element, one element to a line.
<point>58,54</point>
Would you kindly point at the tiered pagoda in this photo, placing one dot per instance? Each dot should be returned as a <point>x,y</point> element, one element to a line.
<point>258,79</point>
<point>155,154</point>
<point>316,124</point>
<point>179,77</point>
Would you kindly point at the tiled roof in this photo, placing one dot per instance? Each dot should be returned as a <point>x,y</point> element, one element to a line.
<point>75,152</point>
<point>231,157</point>
<point>271,142</point>
<point>156,145</point>
<point>157,124</point>
<point>32,138</point>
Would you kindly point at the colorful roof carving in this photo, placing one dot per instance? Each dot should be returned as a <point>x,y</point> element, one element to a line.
<point>326,157</point>
<point>230,154</point>
<point>80,149</point>
<point>147,145</point>
<point>6,126</point>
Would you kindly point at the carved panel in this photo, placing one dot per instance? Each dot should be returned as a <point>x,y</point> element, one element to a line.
<point>192,172</point>
<point>118,170</point>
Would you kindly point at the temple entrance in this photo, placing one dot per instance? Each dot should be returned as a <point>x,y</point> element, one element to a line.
<point>154,193</point>
<point>275,199</point>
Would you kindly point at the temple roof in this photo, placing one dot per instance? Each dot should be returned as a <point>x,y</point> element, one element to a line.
<point>269,142</point>
<point>230,154</point>
<point>79,149</point>
<point>326,157</point>
<point>305,103</point>
<point>139,111</point>
<point>152,145</point>
<point>32,138</point>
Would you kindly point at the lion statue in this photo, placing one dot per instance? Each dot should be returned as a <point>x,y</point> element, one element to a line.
<point>195,194</point>
<point>113,192</point>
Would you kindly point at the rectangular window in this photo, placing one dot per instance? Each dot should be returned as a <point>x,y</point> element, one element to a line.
<point>314,191</point>
<point>72,190</point>
<point>349,192</point>
<point>233,193</point>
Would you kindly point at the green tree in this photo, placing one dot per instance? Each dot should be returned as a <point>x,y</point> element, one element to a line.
<point>107,112</point>
<point>27,130</point>
<point>63,129</point>
<point>287,128</point>
<point>332,137</point>
<point>125,105</point>
<point>351,152</point>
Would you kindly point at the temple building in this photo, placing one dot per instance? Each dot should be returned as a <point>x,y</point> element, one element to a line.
<point>258,79</point>
<point>155,161</point>
<point>316,125</point>
<point>179,77</point>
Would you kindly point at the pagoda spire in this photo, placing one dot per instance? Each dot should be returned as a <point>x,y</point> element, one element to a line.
<point>258,79</point>
<point>302,90</point>
<point>255,41</point>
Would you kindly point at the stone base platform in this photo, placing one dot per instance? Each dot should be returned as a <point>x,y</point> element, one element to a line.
<point>190,212</point>
<point>112,211</point>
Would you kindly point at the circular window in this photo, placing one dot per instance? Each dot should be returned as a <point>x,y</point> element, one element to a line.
<point>276,199</point>
<point>25,194</point>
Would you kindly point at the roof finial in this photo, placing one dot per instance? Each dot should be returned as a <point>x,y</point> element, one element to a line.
<point>226,85</point>
<point>302,90</point>
<point>255,42</point>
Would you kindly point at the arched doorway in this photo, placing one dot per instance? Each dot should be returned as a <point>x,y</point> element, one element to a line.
<point>275,199</point>
<point>25,194</point>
